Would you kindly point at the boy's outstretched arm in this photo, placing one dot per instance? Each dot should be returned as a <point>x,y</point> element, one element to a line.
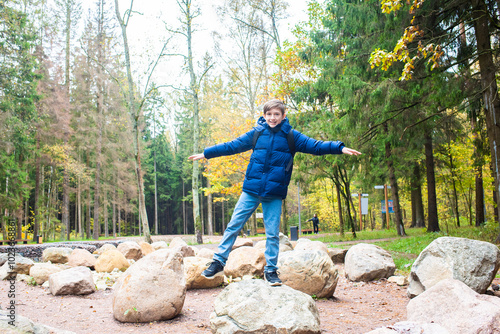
<point>350,151</point>
<point>198,156</point>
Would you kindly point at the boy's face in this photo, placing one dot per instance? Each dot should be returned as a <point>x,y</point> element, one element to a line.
<point>274,117</point>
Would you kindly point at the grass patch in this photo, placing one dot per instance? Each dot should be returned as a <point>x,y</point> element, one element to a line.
<point>405,250</point>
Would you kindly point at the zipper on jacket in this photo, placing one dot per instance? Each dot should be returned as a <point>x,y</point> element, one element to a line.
<point>265,170</point>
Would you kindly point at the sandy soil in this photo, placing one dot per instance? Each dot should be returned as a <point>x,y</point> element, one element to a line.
<point>355,308</point>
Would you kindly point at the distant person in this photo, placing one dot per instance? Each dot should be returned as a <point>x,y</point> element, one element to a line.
<point>266,180</point>
<point>315,221</point>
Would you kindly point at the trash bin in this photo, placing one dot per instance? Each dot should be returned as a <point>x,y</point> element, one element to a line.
<point>247,233</point>
<point>294,233</point>
<point>39,239</point>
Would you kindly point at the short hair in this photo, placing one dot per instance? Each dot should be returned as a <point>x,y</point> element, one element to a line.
<point>275,103</point>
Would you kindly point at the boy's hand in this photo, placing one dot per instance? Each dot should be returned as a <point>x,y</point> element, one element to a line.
<point>350,151</point>
<point>197,157</point>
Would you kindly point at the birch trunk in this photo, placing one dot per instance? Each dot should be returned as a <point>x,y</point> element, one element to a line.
<point>135,113</point>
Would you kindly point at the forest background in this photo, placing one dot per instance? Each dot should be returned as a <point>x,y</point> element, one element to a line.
<point>95,132</point>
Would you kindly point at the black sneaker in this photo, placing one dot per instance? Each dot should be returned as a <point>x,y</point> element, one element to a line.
<point>272,278</point>
<point>214,268</point>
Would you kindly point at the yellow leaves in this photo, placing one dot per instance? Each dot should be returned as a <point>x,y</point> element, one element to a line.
<point>60,155</point>
<point>389,6</point>
<point>226,174</point>
<point>401,52</point>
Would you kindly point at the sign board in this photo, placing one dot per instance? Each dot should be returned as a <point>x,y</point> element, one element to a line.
<point>379,187</point>
<point>364,206</point>
<point>391,206</point>
<point>259,215</point>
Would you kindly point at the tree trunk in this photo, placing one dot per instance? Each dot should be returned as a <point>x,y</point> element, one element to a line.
<point>339,202</point>
<point>193,87</point>
<point>454,183</point>
<point>400,228</point>
<point>284,218</point>
<point>135,112</point>
<point>210,205</point>
<point>433,222</point>
<point>114,212</point>
<point>105,213</point>
<point>65,232</point>
<point>491,99</point>
<point>87,234</point>
<point>417,206</point>
<point>36,226</point>
<point>156,188</point>
<point>79,208</point>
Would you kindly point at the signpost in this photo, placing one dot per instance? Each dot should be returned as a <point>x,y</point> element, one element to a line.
<point>363,208</point>
<point>385,187</point>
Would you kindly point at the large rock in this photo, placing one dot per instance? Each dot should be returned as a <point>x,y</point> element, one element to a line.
<point>17,265</point>
<point>81,258</point>
<point>311,272</point>
<point>473,262</point>
<point>23,325</point>
<point>206,253</point>
<point>104,248</point>
<point>176,242</point>
<point>311,245</point>
<point>337,254</point>
<point>152,289</point>
<point>130,249</point>
<point>252,306</point>
<point>159,245</point>
<point>453,305</point>
<point>411,327</point>
<point>56,254</point>
<point>285,241</point>
<point>74,281</point>
<point>367,262</point>
<point>146,248</point>
<point>3,258</point>
<point>284,247</point>
<point>110,260</point>
<point>245,261</point>
<point>242,242</point>
<point>41,272</point>
<point>193,267</point>
<point>179,245</point>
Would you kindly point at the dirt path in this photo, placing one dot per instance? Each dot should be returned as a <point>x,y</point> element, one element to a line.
<point>356,308</point>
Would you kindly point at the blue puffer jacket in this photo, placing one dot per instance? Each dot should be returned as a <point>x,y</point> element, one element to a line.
<point>266,173</point>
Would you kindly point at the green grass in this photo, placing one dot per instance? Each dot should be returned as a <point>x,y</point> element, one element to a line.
<point>405,250</point>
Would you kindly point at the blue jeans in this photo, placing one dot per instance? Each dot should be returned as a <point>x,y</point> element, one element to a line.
<point>246,205</point>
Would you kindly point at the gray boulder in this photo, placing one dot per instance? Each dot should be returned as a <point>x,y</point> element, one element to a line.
<point>56,254</point>
<point>311,272</point>
<point>81,257</point>
<point>130,249</point>
<point>23,325</point>
<point>42,271</point>
<point>193,267</point>
<point>20,265</point>
<point>159,245</point>
<point>411,328</point>
<point>367,262</point>
<point>337,254</point>
<point>473,262</point>
<point>252,306</point>
<point>245,261</point>
<point>74,281</point>
<point>152,289</point>
<point>456,307</point>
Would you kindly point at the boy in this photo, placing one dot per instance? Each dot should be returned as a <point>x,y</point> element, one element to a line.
<point>266,180</point>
